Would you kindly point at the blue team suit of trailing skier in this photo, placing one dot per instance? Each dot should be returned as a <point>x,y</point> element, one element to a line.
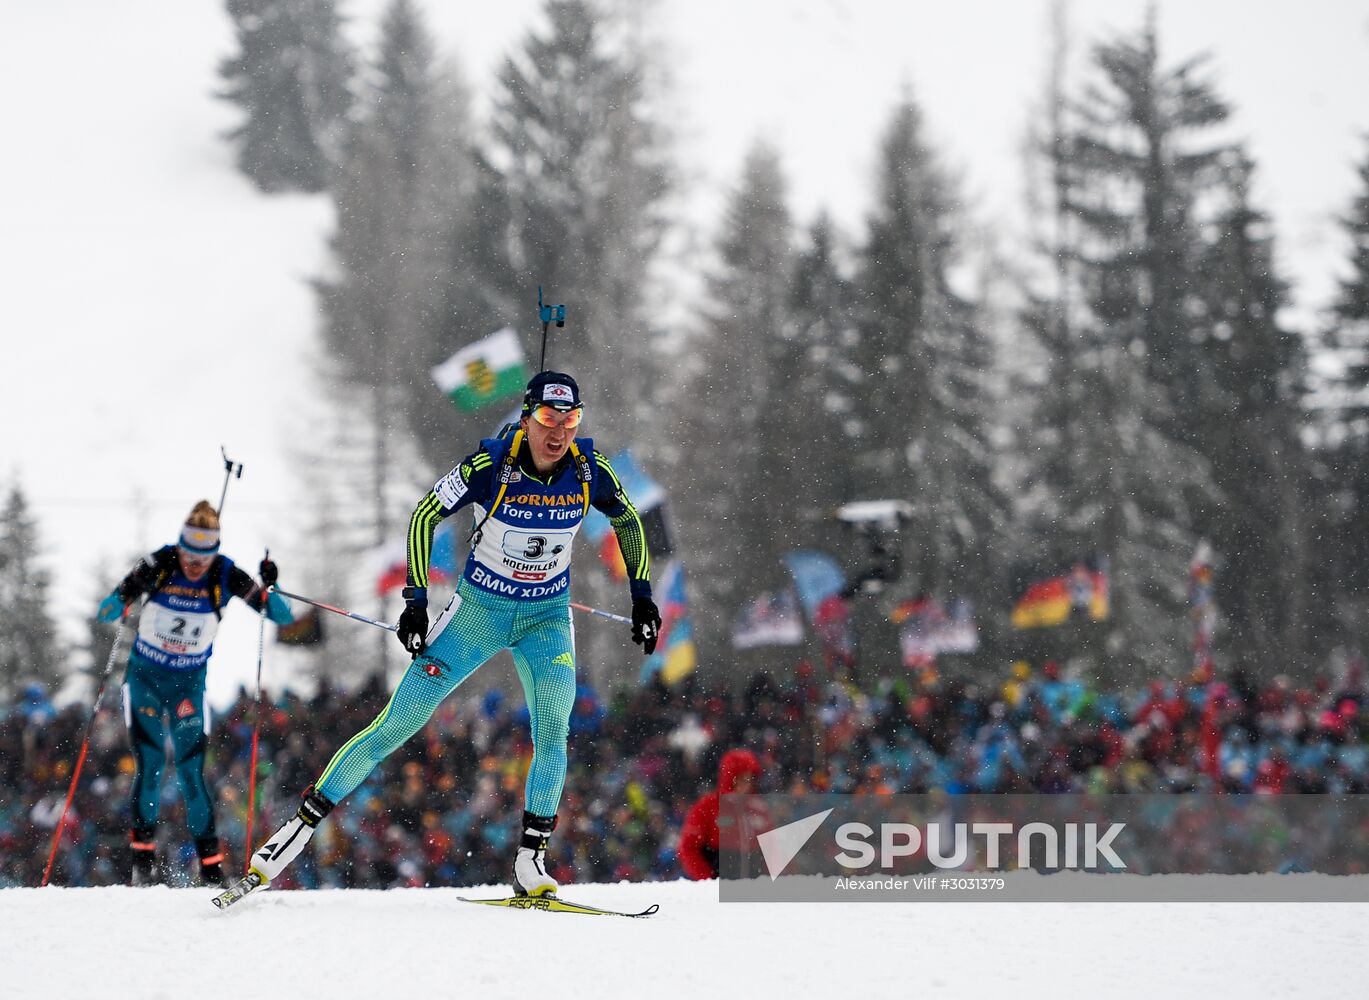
<point>530,490</point>
<point>188,583</point>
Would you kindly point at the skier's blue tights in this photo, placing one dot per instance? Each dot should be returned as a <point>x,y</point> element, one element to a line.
<point>474,627</point>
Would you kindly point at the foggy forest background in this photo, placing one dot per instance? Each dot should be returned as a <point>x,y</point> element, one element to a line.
<point>1131,387</point>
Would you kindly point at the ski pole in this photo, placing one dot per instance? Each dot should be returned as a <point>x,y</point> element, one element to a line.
<point>256,726</point>
<point>228,473</point>
<point>85,745</point>
<point>337,611</point>
<point>601,614</point>
<point>394,628</point>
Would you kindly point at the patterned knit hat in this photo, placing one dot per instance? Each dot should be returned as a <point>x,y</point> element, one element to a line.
<point>554,389</point>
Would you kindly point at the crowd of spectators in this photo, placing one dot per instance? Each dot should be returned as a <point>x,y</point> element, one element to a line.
<point>443,810</point>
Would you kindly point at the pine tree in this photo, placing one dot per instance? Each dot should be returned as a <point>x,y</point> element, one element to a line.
<point>925,399</point>
<point>735,521</point>
<point>583,166</point>
<point>405,182</point>
<point>399,193</point>
<point>444,293</point>
<point>1350,339</point>
<point>328,68</point>
<point>30,648</point>
<point>1143,140</point>
<point>1044,429</point>
<point>291,78</point>
<point>1248,420</point>
<point>481,292</point>
<point>1352,304</point>
<point>401,109</point>
<point>1342,404</point>
<point>1117,471</point>
<point>474,294</point>
<point>817,374</point>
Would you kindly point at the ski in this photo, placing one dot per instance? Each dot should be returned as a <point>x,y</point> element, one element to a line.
<point>555,904</point>
<point>238,890</point>
<point>549,904</point>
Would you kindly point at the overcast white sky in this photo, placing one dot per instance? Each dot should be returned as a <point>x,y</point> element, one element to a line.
<point>154,308</point>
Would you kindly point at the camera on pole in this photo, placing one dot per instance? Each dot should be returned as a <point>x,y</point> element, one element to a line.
<point>876,524</point>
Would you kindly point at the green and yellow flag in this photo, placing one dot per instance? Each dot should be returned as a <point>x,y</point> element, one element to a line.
<point>484,372</point>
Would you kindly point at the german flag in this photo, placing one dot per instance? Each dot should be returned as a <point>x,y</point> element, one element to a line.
<point>1075,590</point>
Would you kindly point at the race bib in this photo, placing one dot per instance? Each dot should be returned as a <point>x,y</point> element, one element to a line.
<point>179,633</point>
<point>535,547</point>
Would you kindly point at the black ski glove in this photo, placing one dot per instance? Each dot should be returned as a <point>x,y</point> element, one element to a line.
<point>413,623</point>
<point>646,624</point>
<point>269,572</point>
<point>413,629</point>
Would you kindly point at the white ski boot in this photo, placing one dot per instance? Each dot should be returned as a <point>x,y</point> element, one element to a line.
<point>285,844</point>
<point>530,876</point>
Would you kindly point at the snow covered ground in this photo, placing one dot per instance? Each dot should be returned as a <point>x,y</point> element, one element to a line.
<point>170,944</point>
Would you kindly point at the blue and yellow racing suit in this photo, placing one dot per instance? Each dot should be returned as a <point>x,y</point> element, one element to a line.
<point>513,594</point>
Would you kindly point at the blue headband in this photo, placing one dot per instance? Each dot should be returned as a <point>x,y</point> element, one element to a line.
<point>200,541</point>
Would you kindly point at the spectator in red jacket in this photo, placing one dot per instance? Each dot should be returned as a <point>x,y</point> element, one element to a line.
<point>699,842</point>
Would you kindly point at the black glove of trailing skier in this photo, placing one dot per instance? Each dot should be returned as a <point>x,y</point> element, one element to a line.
<point>413,623</point>
<point>646,624</point>
<point>269,573</point>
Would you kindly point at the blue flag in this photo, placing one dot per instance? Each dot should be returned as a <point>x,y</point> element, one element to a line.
<point>644,492</point>
<point>816,577</point>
